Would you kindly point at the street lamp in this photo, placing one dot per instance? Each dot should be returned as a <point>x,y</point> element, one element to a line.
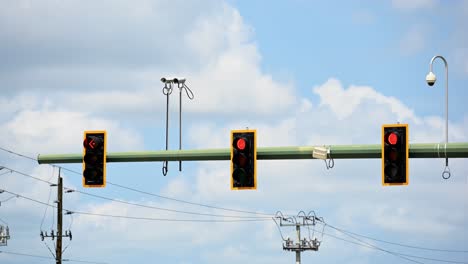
<point>431,79</point>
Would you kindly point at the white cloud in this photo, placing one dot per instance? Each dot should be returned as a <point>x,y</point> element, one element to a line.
<point>344,102</point>
<point>307,183</point>
<point>216,50</point>
<point>58,131</point>
<point>342,111</point>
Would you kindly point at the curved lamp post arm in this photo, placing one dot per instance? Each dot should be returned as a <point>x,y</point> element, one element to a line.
<point>446,106</point>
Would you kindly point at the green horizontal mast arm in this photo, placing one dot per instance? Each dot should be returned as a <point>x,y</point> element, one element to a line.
<point>429,150</point>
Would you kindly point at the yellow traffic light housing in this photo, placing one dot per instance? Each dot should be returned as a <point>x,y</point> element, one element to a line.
<point>395,154</point>
<point>94,158</point>
<point>243,160</point>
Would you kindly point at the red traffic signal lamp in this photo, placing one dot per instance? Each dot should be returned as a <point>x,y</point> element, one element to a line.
<point>243,159</point>
<point>395,155</point>
<point>94,159</point>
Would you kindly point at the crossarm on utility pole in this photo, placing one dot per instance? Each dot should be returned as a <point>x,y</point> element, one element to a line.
<point>372,151</point>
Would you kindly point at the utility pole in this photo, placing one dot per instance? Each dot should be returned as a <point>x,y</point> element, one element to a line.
<point>58,253</point>
<point>298,252</point>
<point>59,235</point>
<point>301,244</point>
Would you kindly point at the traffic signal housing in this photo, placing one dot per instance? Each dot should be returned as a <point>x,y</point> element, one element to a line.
<point>94,159</point>
<point>395,155</point>
<point>243,160</point>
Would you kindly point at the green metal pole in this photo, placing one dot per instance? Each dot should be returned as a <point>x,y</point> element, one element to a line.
<point>428,150</point>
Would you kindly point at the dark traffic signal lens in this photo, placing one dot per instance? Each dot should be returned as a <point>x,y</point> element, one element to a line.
<point>243,159</point>
<point>94,159</point>
<point>395,154</point>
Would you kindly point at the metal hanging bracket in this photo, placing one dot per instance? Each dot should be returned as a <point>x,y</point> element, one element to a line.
<point>167,90</point>
<point>324,153</point>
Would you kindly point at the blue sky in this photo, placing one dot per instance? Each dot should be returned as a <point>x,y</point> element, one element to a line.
<point>300,72</point>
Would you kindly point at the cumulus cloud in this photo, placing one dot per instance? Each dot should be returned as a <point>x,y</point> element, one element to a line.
<point>58,131</point>
<point>344,101</point>
<point>343,110</point>
<point>96,70</point>
<point>212,50</point>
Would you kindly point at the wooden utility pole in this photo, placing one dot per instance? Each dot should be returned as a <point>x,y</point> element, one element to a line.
<point>58,253</point>
<point>58,234</point>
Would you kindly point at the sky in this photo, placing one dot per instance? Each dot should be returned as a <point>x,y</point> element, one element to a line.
<point>301,73</point>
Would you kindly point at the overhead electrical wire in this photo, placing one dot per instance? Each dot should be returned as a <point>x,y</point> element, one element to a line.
<point>187,202</point>
<point>405,245</point>
<point>173,220</point>
<point>17,154</point>
<point>403,254</point>
<point>139,218</point>
<point>140,205</point>
<point>140,191</point>
<point>24,254</point>
<point>165,209</point>
<point>5,173</point>
<point>48,199</point>
<point>381,249</point>
<point>45,257</point>
<point>204,205</point>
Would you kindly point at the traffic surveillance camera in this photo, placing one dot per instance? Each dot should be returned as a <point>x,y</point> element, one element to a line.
<point>431,78</point>
<point>163,80</point>
<point>177,81</point>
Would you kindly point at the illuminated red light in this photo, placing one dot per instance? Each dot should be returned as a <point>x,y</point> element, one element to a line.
<point>392,139</point>
<point>241,144</point>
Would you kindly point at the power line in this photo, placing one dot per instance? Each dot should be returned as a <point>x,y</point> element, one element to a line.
<point>17,154</point>
<point>165,209</point>
<point>30,199</point>
<point>378,248</point>
<point>48,199</point>
<point>83,261</point>
<point>144,192</point>
<point>136,204</point>
<point>407,255</point>
<point>45,257</point>
<point>27,175</point>
<point>24,254</point>
<point>186,202</point>
<point>204,205</point>
<point>4,172</point>
<point>171,220</point>
<point>406,245</point>
<point>140,218</point>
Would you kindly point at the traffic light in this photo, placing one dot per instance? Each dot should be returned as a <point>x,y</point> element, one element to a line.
<point>243,159</point>
<point>94,159</point>
<point>395,155</point>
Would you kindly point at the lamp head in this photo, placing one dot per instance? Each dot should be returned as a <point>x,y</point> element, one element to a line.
<point>180,80</point>
<point>431,78</point>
